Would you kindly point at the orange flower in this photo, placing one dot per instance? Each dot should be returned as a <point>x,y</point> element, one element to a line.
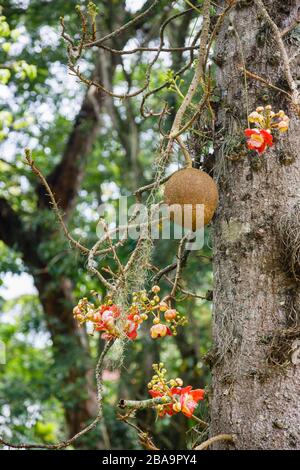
<point>170,314</point>
<point>159,331</point>
<point>107,315</point>
<point>185,400</point>
<point>167,409</point>
<point>188,398</point>
<point>258,139</point>
<point>131,326</point>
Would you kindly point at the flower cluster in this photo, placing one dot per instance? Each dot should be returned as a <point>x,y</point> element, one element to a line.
<point>108,318</point>
<point>266,122</point>
<point>176,397</point>
<point>103,317</point>
<point>160,311</point>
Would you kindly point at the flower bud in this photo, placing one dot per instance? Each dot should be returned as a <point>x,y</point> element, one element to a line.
<point>170,314</point>
<point>283,126</point>
<point>158,330</point>
<point>97,317</point>
<point>76,311</point>
<point>255,117</point>
<point>155,289</point>
<point>176,407</point>
<point>163,306</point>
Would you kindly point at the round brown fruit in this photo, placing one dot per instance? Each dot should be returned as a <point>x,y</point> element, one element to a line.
<point>191,186</point>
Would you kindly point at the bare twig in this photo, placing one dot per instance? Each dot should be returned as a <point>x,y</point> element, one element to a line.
<point>92,425</point>
<point>123,28</point>
<point>180,257</point>
<point>289,28</point>
<point>263,80</point>
<point>43,180</point>
<point>212,440</point>
<point>144,437</point>
<point>143,189</point>
<point>196,80</point>
<point>200,421</point>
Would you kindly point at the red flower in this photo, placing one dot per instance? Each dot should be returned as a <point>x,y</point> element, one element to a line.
<point>258,139</point>
<point>114,309</point>
<point>106,322</point>
<point>132,324</point>
<point>186,400</point>
<point>167,409</point>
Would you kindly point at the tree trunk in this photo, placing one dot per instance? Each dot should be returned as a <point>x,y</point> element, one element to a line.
<point>256,378</point>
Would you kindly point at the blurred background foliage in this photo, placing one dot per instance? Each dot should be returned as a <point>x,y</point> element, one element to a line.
<point>46,386</point>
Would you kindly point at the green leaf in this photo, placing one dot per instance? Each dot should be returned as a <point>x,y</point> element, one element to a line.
<point>6,46</point>
<point>4,27</point>
<point>4,76</point>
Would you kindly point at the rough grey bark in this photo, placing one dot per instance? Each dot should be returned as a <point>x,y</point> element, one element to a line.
<point>255,299</point>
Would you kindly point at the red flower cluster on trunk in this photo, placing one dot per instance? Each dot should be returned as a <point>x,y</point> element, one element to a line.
<point>266,122</point>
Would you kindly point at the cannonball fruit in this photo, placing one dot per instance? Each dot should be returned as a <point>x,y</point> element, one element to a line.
<point>191,186</point>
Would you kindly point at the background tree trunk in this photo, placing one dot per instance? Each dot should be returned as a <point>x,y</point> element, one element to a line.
<point>255,300</point>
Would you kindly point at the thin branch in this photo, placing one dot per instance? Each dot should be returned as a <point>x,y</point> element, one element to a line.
<point>144,404</point>
<point>263,80</point>
<point>91,265</point>
<point>196,80</point>
<point>147,49</point>
<point>123,28</point>
<point>212,440</point>
<point>76,71</point>
<point>200,421</point>
<point>289,28</point>
<point>179,72</point>
<point>29,161</point>
<point>155,184</point>
<point>144,437</point>
<point>161,274</point>
<point>199,72</point>
<point>92,425</point>
<point>284,55</point>
<point>180,257</point>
